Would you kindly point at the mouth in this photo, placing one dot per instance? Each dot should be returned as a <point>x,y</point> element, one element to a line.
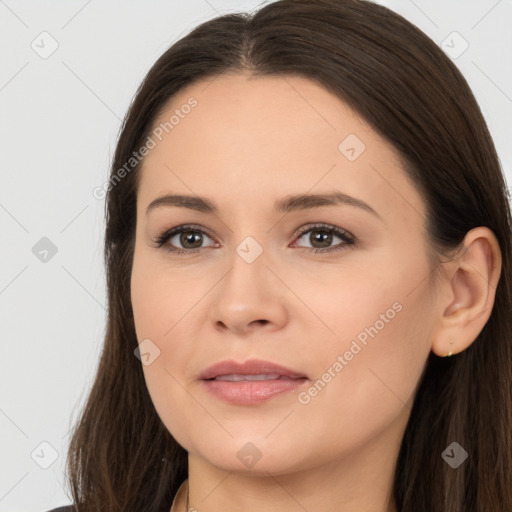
<point>251,382</point>
<point>233,377</point>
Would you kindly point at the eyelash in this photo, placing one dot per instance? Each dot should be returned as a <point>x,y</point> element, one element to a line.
<point>348,239</point>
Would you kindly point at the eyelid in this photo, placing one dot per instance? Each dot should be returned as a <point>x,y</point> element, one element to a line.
<point>346,236</point>
<point>342,233</point>
<point>161,239</point>
<point>348,239</point>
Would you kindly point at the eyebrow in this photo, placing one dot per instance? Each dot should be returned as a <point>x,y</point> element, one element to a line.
<point>285,205</point>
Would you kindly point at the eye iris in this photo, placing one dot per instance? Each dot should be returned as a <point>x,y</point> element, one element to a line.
<point>191,236</point>
<point>321,236</point>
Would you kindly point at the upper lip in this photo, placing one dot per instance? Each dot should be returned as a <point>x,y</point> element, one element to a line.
<point>251,367</point>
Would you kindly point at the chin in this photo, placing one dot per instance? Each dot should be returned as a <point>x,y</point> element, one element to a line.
<point>256,456</point>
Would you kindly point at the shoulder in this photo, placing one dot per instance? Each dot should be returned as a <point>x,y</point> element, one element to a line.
<point>67,508</point>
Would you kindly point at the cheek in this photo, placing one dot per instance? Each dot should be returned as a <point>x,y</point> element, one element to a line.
<point>161,297</point>
<point>370,368</point>
<point>162,304</point>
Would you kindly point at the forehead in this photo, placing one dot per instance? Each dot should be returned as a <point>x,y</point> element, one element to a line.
<point>247,138</point>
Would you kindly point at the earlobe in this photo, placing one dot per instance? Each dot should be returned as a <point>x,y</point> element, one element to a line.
<point>470,282</point>
<point>452,342</point>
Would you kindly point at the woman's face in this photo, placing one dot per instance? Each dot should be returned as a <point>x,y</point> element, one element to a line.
<point>354,319</point>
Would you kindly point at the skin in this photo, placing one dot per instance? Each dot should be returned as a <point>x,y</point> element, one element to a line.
<point>249,142</point>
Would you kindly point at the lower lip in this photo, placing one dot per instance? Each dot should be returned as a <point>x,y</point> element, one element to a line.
<point>252,392</point>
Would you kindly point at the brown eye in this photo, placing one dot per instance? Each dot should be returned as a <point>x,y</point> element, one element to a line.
<point>190,237</point>
<point>321,238</point>
<point>185,239</point>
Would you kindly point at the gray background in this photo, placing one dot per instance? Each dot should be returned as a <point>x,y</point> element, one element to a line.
<point>59,120</point>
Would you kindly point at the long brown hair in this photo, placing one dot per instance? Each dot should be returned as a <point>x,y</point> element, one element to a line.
<point>121,456</point>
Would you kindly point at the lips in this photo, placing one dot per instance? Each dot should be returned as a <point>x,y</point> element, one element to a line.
<point>255,368</point>
<point>233,377</point>
<point>252,382</point>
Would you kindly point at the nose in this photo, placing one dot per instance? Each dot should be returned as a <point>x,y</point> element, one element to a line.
<point>248,299</point>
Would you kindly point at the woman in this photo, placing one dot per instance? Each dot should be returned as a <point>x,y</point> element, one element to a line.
<point>308,266</point>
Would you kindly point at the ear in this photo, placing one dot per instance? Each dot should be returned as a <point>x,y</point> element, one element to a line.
<point>469,289</point>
